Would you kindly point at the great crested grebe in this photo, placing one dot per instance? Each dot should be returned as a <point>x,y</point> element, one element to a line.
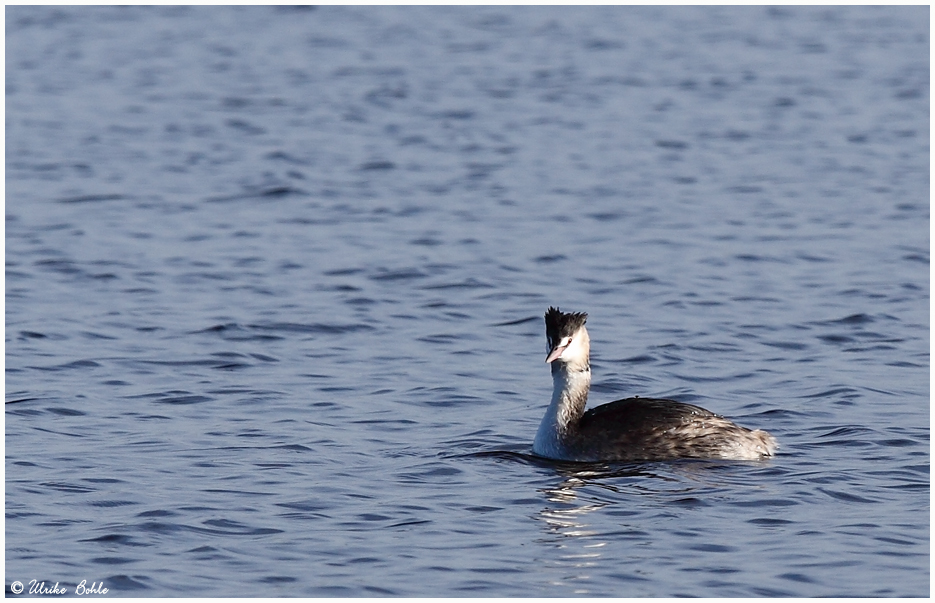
<point>632,429</point>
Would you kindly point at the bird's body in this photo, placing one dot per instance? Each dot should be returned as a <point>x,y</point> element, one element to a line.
<point>630,429</point>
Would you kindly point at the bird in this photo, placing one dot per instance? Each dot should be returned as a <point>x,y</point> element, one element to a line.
<point>632,429</point>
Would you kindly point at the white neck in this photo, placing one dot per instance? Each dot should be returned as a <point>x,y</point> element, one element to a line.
<point>570,386</point>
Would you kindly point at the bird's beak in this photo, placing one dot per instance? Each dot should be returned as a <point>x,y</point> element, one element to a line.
<point>556,353</point>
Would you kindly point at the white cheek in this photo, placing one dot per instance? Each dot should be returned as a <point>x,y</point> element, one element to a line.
<point>566,343</point>
<point>573,350</point>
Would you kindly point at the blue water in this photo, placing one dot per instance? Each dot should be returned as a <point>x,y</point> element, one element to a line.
<point>275,283</point>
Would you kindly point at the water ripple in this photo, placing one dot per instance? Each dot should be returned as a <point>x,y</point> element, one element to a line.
<point>274,296</point>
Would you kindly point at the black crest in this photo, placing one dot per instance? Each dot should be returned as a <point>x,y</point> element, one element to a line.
<point>559,325</point>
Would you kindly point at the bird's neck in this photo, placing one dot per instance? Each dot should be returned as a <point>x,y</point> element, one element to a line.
<point>571,384</point>
<point>570,387</point>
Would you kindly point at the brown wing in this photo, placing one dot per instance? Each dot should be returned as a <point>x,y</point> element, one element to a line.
<point>642,414</point>
<point>651,429</point>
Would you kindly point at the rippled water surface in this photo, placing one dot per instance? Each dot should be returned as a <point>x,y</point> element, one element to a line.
<point>275,281</point>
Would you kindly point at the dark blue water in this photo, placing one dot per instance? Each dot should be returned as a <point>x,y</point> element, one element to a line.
<point>275,281</point>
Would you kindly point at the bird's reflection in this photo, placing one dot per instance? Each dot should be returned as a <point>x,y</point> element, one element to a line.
<point>568,518</point>
<point>583,488</point>
<point>565,518</point>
